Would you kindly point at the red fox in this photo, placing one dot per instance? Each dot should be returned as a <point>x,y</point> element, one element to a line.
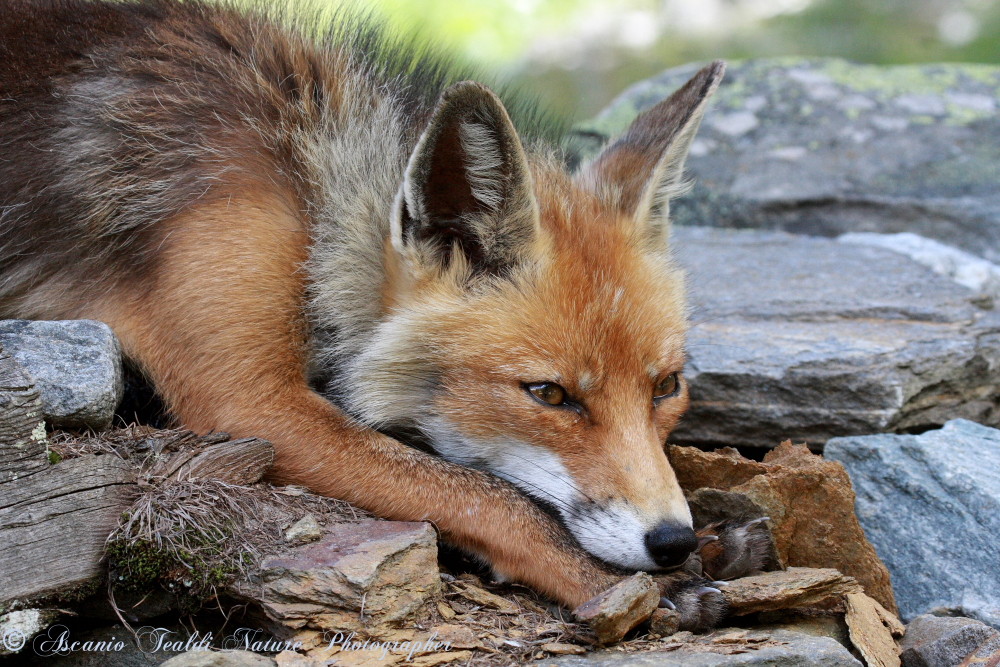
<point>316,239</point>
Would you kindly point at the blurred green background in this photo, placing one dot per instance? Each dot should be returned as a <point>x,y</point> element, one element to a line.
<point>578,54</point>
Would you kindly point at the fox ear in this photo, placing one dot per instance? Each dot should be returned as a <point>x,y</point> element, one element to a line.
<point>644,168</point>
<point>467,186</point>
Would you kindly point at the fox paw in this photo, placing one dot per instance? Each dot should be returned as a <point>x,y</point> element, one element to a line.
<point>730,549</point>
<point>700,604</point>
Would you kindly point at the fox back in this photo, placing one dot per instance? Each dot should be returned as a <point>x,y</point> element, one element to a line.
<point>456,286</point>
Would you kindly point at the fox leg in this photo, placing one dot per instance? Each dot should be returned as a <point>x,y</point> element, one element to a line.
<point>700,603</point>
<point>734,549</point>
<point>726,550</point>
<point>220,331</point>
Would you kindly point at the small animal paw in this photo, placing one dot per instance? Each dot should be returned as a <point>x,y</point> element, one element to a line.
<point>738,549</point>
<point>701,605</point>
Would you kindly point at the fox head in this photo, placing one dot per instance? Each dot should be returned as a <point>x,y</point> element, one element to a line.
<point>534,321</point>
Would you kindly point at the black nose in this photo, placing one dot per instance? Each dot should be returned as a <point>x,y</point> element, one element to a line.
<point>670,544</point>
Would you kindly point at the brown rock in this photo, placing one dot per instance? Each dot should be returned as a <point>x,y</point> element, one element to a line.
<point>293,659</point>
<point>445,657</point>
<point>869,633</point>
<point>484,598</point>
<point>559,648</point>
<point>620,608</point>
<point>665,622</point>
<point>447,613</point>
<point>359,576</point>
<point>810,502</point>
<point>794,587</point>
<point>305,530</point>
<point>818,623</point>
<point>204,658</point>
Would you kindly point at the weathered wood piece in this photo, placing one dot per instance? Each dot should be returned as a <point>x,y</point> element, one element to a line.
<point>22,430</point>
<point>55,518</point>
<point>53,525</point>
<point>242,461</point>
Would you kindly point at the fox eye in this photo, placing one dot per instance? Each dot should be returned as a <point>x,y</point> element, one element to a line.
<point>547,392</point>
<point>667,387</point>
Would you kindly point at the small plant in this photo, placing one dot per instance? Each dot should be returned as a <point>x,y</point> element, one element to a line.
<point>189,537</point>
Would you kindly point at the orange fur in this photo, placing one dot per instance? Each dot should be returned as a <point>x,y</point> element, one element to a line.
<point>223,285</point>
<point>253,220</point>
<point>600,307</point>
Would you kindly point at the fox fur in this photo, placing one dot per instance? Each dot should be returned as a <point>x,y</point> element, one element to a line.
<point>319,239</point>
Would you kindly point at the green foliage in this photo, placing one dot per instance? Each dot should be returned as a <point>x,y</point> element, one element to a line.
<point>138,565</point>
<point>578,54</point>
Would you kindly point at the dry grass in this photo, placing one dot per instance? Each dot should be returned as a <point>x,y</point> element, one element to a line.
<point>194,537</point>
<point>134,442</point>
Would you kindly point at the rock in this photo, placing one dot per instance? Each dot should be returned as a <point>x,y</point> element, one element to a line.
<point>484,598</point>
<point>789,589</point>
<point>119,644</point>
<point>823,147</point>
<point>930,504</point>
<point>808,339</point>
<point>293,659</point>
<point>18,627</point>
<point>665,622</point>
<point>810,503</point>
<point>559,648</point>
<point>417,646</point>
<point>305,530</point>
<point>870,634</point>
<point>219,659</point>
<point>728,646</point>
<point>360,576</point>
<point>979,275</point>
<point>76,365</point>
<point>616,611</point>
<point>934,641</point>
<point>822,624</point>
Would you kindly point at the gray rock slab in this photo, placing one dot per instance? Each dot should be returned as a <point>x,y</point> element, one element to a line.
<point>105,646</point>
<point>219,659</point>
<point>76,365</point>
<point>930,505</point>
<point>824,147</point>
<point>775,648</point>
<point>806,338</point>
<point>979,275</point>
<point>933,641</point>
<point>17,628</point>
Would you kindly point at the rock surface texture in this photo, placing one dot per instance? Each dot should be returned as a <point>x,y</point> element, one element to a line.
<point>825,147</point>
<point>806,338</point>
<point>809,500</point>
<point>930,504</point>
<point>219,659</point>
<point>931,641</point>
<point>979,275</point>
<point>76,365</point>
<point>777,648</point>
<point>361,576</point>
<point>621,608</point>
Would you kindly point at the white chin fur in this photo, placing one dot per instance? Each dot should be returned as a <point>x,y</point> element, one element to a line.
<point>614,533</point>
